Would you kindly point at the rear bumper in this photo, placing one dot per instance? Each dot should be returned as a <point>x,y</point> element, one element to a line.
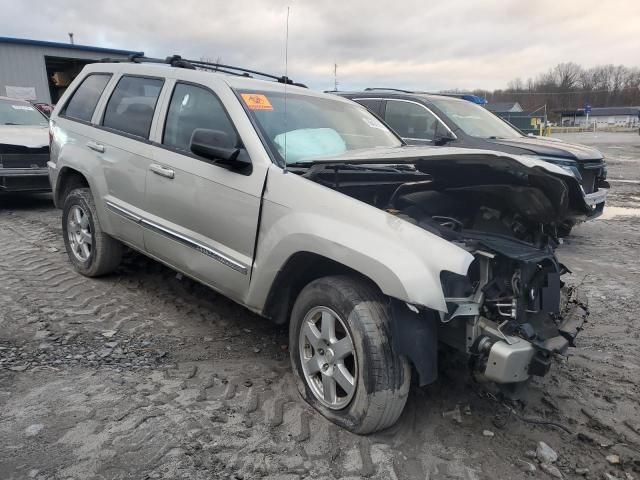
<point>24,180</point>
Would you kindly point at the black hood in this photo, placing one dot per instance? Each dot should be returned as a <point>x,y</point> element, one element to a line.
<point>550,148</point>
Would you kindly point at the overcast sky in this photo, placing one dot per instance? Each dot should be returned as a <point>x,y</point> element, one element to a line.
<point>429,45</point>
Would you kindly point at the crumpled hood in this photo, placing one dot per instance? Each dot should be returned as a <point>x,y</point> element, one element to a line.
<point>550,148</point>
<point>461,166</point>
<point>30,136</point>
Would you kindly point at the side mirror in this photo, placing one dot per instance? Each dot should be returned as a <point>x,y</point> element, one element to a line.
<point>442,135</point>
<point>214,145</point>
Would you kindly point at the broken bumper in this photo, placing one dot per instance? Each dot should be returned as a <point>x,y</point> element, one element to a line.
<point>513,359</point>
<point>596,201</point>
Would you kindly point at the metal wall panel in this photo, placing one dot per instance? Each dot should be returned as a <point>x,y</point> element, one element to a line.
<point>23,66</point>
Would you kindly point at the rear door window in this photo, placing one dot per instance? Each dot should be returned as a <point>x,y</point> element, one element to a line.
<point>132,104</point>
<point>84,100</point>
<point>193,107</point>
<point>410,120</point>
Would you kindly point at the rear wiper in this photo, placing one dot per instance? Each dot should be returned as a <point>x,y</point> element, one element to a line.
<point>9,123</point>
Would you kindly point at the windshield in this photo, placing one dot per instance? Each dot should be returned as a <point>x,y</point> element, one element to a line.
<point>315,126</point>
<point>474,120</point>
<point>20,113</point>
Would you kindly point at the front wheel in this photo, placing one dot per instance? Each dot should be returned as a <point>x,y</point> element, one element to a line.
<point>343,357</point>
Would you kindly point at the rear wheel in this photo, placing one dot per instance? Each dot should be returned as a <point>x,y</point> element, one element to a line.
<point>91,251</point>
<point>343,357</point>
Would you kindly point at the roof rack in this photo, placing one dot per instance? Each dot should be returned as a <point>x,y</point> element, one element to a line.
<point>369,89</point>
<point>179,62</point>
<point>465,96</point>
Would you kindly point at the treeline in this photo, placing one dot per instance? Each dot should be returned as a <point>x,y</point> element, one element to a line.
<point>569,86</point>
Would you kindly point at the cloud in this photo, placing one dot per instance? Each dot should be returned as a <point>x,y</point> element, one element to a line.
<point>415,44</point>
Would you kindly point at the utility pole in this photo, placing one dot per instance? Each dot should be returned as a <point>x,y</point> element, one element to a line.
<point>335,76</point>
<point>71,37</point>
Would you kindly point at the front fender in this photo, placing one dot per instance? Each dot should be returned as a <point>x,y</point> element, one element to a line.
<point>404,260</point>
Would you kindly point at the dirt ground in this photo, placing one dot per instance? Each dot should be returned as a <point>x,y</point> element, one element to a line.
<point>144,374</point>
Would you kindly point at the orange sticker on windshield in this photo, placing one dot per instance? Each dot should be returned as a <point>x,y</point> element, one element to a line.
<point>257,101</point>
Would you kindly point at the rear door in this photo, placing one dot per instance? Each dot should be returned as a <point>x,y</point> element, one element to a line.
<point>203,217</point>
<point>121,142</point>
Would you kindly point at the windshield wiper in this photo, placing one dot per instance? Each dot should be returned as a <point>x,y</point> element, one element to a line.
<point>10,123</point>
<point>300,164</point>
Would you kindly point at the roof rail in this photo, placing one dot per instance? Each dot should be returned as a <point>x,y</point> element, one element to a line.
<point>465,96</point>
<point>179,62</point>
<point>369,89</point>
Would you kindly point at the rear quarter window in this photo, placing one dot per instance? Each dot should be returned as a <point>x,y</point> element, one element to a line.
<point>132,104</point>
<point>83,101</point>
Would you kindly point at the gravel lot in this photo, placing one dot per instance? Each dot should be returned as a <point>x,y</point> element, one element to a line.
<point>144,374</point>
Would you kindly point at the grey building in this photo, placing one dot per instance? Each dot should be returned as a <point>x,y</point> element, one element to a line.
<point>41,71</point>
<point>505,107</point>
<point>602,117</point>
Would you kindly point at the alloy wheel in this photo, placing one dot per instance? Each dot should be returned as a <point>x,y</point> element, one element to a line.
<point>79,233</point>
<point>328,357</point>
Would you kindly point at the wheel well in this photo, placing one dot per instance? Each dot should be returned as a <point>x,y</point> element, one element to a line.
<point>300,269</point>
<point>68,180</point>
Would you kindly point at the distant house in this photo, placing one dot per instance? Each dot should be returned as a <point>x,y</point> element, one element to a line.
<point>602,117</point>
<point>513,113</point>
<point>505,107</point>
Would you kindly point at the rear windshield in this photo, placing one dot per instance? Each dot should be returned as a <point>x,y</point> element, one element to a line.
<point>314,126</point>
<point>20,113</point>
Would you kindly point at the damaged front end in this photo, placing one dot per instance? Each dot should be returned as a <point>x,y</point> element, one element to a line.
<point>511,312</point>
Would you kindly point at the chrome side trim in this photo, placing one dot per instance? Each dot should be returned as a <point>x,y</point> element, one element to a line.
<point>173,235</point>
<point>189,242</point>
<point>123,212</point>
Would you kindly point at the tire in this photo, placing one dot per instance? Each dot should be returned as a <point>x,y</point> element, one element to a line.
<point>103,253</point>
<point>564,229</point>
<point>381,377</point>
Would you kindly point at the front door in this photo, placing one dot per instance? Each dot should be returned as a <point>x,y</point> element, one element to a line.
<point>203,217</point>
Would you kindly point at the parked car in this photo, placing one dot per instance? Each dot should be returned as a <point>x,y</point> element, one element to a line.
<point>24,147</point>
<point>432,119</point>
<point>318,215</point>
<point>44,108</point>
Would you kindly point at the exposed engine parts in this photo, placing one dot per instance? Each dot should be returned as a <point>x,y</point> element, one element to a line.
<point>505,314</point>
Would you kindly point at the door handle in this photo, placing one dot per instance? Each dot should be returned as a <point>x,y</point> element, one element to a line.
<point>96,146</point>
<point>162,171</point>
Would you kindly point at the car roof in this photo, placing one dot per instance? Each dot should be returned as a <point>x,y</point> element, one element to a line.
<point>382,93</point>
<point>234,81</point>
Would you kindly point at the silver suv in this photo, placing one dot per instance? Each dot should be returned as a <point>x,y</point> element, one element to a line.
<point>306,209</point>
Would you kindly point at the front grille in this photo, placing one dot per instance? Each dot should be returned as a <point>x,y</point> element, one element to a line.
<point>589,180</point>
<point>591,172</point>
<point>24,160</point>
